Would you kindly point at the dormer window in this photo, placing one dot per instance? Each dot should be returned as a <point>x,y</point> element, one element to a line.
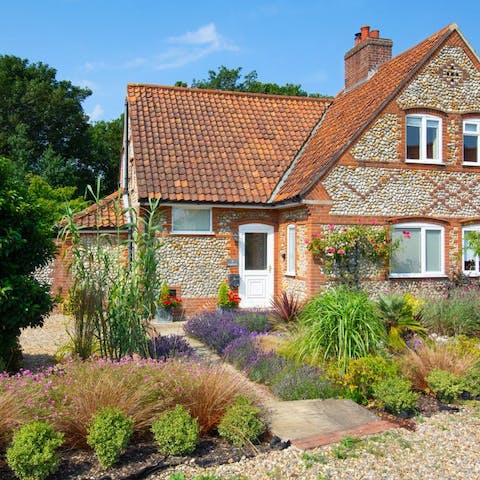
<point>424,139</point>
<point>471,138</point>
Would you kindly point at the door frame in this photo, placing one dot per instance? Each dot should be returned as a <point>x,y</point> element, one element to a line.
<point>256,228</point>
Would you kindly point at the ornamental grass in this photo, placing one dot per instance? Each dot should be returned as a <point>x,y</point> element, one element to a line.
<point>69,395</point>
<point>419,363</point>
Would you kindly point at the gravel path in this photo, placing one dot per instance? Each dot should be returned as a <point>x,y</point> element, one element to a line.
<point>39,345</point>
<point>444,447</point>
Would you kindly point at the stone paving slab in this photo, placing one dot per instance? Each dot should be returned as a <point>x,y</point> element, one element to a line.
<point>303,419</point>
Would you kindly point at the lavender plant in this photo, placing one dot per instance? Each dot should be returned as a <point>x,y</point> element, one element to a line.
<point>215,329</point>
<point>170,346</point>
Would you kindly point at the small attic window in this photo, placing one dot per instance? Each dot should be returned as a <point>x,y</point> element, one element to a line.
<point>192,220</point>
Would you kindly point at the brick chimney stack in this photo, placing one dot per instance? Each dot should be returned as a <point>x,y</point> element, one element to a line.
<point>368,53</point>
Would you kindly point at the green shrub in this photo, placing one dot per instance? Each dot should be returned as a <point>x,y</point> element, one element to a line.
<point>395,395</point>
<point>341,323</point>
<point>109,434</point>
<point>241,423</point>
<point>445,385</point>
<point>33,451</point>
<point>176,432</point>
<point>362,373</point>
<point>472,380</point>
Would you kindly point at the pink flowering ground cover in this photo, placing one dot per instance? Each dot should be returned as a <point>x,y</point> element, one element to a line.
<point>69,394</point>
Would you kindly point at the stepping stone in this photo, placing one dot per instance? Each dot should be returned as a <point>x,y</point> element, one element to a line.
<point>312,423</point>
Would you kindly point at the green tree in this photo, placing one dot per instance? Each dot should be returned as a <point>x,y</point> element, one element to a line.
<point>42,122</point>
<point>25,245</point>
<point>106,146</point>
<point>231,79</point>
<point>54,202</point>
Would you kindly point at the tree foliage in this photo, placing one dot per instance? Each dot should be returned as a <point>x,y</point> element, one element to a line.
<point>38,112</point>
<point>25,245</point>
<point>231,79</point>
<point>106,145</point>
<point>44,130</point>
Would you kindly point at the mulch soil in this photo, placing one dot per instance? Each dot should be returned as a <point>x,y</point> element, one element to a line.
<point>142,459</point>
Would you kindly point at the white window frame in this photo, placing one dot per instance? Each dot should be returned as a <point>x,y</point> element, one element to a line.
<point>192,232</point>
<point>423,140</point>
<point>476,272</point>
<point>423,254</point>
<point>291,251</point>
<point>475,121</point>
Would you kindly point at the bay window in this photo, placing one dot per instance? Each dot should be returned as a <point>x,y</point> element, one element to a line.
<point>420,251</point>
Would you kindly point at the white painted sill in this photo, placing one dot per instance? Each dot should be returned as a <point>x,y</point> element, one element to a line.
<point>290,274</point>
<point>418,275</point>
<point>471,164</point>
<point>192,233</point>
<point>425,162</point>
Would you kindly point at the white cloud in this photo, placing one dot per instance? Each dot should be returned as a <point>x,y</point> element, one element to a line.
<point>192,46</point>
<point>97,113</point>
<point>181,50</point>
<point>205,34</point>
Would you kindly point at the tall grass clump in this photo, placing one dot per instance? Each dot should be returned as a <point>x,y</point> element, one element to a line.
<point>419,363</point>
<point>339,324</point>
<point>112,297</point>
<point>457,313</point>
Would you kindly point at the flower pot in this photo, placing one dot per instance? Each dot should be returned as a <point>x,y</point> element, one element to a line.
<point>163,315</point>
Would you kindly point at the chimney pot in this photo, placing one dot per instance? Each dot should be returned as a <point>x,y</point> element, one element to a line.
<point>365,32</point>
<point>375,34</point>
<point>358,38</point>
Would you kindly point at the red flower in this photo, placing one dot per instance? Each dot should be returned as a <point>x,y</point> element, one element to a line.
<point>407,234</point>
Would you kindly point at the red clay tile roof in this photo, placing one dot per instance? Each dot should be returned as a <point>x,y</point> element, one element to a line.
<point>351,112</point>
<point>215,146</point>
<point>109,216</point>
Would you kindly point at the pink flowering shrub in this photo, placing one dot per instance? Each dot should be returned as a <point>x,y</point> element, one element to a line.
<point>69,395</point>
<point>344,251</point>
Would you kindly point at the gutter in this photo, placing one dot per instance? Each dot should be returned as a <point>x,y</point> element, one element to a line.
<point>246,206</point>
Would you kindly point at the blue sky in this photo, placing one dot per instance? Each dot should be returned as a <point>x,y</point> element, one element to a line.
<point>105,44</point>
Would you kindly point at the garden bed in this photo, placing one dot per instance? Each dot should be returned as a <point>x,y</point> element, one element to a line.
<point>143,459</point>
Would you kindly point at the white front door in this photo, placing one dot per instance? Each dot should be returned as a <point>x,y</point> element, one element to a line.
<point>256,265</point>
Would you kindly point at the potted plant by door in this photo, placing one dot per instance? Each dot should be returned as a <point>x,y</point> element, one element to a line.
<point>227,298</point>
<point>166,305</point>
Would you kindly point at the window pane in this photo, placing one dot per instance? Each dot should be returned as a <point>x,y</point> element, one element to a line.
<point>413,141</point>
<point>432,140</point>
<point>407,258</point>
<point>194,220</point>
<point>470,127</point>
<point>470,148</point>
<point>433,250</point>
<point>291,250</point>
<point>255,251</point>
